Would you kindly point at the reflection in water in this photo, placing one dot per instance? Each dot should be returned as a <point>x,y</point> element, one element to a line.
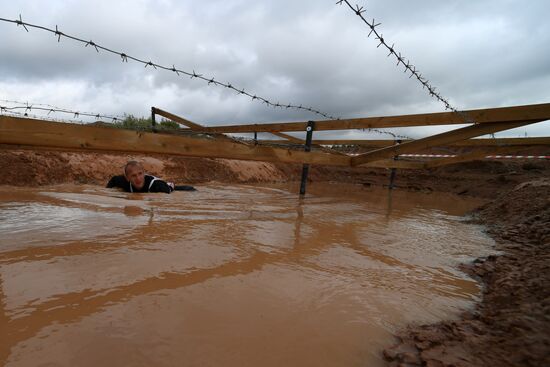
<point>388,210</point>
<point>298,221</point>
<point>237,275</point>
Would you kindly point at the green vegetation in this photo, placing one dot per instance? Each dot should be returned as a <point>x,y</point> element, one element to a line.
<point>131,122</point>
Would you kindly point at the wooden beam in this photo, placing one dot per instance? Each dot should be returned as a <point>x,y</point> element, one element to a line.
<point>178,119</point>
<point>290,138</point>
<point>295,140</point>
<point>538,112</point>
<point>387,163</point>
<point>192,125</point>
<point>465,143</point>
<point>472,156</point>
<point>436,140</point>
<point>24,131</point>
<point>373,143</point>
<point>391,163</point>
<point>503,142</point>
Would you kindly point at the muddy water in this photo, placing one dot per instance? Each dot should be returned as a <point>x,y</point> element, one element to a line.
<point>227,275</point>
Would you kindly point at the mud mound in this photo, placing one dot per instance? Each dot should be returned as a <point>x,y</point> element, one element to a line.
<point>37,167</point>
<point>511,326</point>
<point>521,215</point>
<point>34,168</point>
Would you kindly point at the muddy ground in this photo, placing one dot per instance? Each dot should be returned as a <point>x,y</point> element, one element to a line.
<point>510,327</point>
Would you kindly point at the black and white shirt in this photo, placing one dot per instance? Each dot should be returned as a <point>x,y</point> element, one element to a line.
<point>150,184</point>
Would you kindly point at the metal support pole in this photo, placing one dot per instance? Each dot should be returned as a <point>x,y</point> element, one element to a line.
<point>307,148</point>
<point>394,170</point>
<point>255,137</point>
<point>153,120</point>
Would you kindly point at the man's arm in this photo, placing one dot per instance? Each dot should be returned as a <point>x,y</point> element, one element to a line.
<point>119,182</point>
<point>160,186</point>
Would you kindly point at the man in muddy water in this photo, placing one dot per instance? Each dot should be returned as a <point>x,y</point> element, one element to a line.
<point>134,179</point>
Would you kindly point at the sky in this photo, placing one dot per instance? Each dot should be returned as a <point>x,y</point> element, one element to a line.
<point>478,54</point>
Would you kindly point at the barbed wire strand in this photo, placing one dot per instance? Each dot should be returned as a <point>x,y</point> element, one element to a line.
<point>4,112</point>
<point>24,103</point>
<point>193,75</point>
<point>372,25</point>
<point>50,109</point>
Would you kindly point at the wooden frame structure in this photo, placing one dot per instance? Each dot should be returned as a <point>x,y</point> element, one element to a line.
<point>37,133</point>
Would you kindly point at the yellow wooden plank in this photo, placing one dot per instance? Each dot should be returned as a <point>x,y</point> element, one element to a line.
<point>436,140</point>
<point>23,131</point>
<point>192,125</point>
<point>295,140</point>
<point>469,142</point>
<point>504,141</point>
<point>178,119</point>
<point>391,163</point>
<point>538,112</point>
<point>290,138</point>
<point>472,156</point>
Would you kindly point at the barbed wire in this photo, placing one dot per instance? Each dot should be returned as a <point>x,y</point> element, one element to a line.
<point>52,109</point>
<point>24,103</point>
<point>359,11</point>
<point>125,57</point>
<point>33,116</point>
<point>193,75</point>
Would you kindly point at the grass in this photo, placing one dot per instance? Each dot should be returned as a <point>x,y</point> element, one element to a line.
<point>131,122</point>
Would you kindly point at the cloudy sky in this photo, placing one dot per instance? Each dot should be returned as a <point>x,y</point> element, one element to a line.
<point>478,54</point>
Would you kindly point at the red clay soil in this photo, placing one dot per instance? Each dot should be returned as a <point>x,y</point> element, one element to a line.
<point>509,327</point>
<point>42,167</point>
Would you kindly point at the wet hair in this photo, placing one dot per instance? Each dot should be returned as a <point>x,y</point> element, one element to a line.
<point>131,164</point>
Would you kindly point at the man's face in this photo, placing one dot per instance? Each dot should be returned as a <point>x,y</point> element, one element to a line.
<point>135,175</point>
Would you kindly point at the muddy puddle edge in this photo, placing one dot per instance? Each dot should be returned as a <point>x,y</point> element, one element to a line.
<point>509,326</point>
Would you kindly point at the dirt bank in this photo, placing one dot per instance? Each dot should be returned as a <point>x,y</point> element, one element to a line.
<point>510,327</point>
<point>41,167</point>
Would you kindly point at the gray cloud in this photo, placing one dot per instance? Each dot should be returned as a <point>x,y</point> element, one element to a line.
<point>478,54</point>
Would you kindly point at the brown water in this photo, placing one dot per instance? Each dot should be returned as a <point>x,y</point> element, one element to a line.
<point>227,275</point>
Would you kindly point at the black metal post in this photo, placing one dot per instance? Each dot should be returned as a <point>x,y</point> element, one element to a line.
<point>307,148</point>
<point>394,170</point>
<point>255,137</point>
<point>153,120</point>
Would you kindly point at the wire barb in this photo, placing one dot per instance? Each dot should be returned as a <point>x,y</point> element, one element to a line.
<point>20,22</point>
<point>91,43</point>
<point>381,39</point>
<point>359,10</point>
<point>58,34</point>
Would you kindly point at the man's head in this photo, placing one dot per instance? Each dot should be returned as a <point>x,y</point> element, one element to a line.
<point>133,171</point>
